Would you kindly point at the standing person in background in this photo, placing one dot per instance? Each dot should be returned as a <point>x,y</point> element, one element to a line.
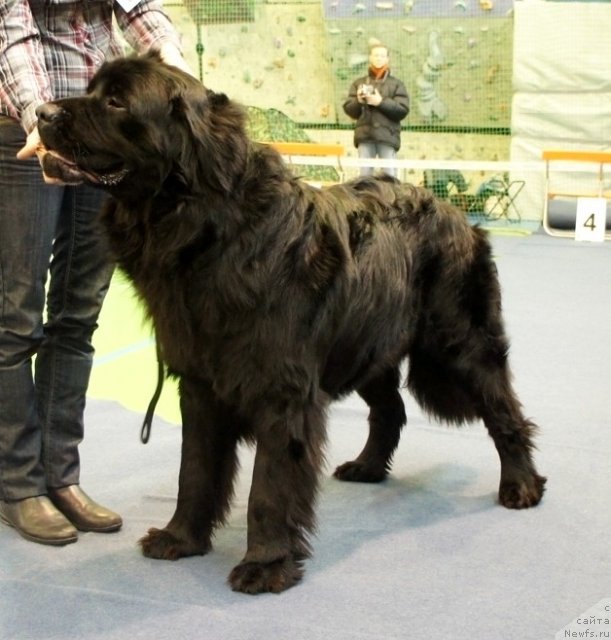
<point>50,49</point>
<point>378,102</point>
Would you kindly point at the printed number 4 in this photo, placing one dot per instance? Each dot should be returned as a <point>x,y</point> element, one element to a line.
<point>589,223</point>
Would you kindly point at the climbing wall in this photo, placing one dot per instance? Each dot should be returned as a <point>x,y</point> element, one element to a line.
<point>453,55</point>
<point>301,56</point>
<point>278,58</point>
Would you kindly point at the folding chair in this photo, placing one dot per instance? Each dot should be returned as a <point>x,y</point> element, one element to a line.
<point>445,183</point>
<point>495,198</point>
<point>564,186</point>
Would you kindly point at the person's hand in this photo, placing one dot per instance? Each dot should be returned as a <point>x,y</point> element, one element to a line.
<point>373,99</point>
<point>34,147</point>
<point>362,93</point>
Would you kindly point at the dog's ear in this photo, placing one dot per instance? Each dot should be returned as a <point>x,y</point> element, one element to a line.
<point>218,99</point>
<point>188,103</point>
<point>216,144</point>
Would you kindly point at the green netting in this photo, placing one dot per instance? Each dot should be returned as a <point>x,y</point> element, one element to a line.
<point>220,12</point>
<point>457,70</point>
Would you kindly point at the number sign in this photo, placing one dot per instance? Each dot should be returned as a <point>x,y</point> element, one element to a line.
<point>591,219</point>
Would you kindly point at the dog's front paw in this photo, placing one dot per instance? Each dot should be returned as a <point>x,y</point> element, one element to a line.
<point>356,471</point>
<point>258,577</point>
<point>522,492</point>
<point>165,545</point>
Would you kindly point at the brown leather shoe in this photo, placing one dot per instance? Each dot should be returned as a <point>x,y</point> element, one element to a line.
<point>36,519</point>
<point>84,513</point>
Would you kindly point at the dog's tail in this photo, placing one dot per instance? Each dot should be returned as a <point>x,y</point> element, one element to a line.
<point>460,338</point>
<point>438,389</point>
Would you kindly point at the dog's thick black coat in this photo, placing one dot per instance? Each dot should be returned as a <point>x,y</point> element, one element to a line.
<point>271,298</point>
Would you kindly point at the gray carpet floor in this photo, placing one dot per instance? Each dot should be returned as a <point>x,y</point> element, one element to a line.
<point>427,554</point>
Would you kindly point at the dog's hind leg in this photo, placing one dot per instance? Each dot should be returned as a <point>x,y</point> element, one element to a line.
<point>459,367</point>
<point>474,382</point>
<point>208,464</point>
<point>520,485</point>
<point>386,418</point>
<point>282,499</point>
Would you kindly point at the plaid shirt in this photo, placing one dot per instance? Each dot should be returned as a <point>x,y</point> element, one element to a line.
<point>50,49</point>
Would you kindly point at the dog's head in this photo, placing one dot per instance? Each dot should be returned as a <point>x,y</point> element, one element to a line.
<point>141,122</point>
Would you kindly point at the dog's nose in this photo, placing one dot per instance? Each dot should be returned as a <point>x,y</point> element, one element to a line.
<point>49,112</point>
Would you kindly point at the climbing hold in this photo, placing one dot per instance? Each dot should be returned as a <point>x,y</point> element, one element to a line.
<point>492,73</point>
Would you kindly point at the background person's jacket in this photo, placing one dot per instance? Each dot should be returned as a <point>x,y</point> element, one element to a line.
<point>381,124</point>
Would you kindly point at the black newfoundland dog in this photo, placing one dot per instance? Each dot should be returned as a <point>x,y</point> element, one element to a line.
<point>271,298</point>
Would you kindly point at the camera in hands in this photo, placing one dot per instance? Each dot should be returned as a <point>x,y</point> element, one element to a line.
<point>366,89</point>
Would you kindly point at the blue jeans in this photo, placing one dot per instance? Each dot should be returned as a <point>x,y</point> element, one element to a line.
<point>46,233</point>
<point>375,150</point>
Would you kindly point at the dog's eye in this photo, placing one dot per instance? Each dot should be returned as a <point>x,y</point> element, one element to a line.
<point>113,103</point>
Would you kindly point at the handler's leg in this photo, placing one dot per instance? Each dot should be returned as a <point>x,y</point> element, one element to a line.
<point>80,272</point>
<point>28,217</point>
